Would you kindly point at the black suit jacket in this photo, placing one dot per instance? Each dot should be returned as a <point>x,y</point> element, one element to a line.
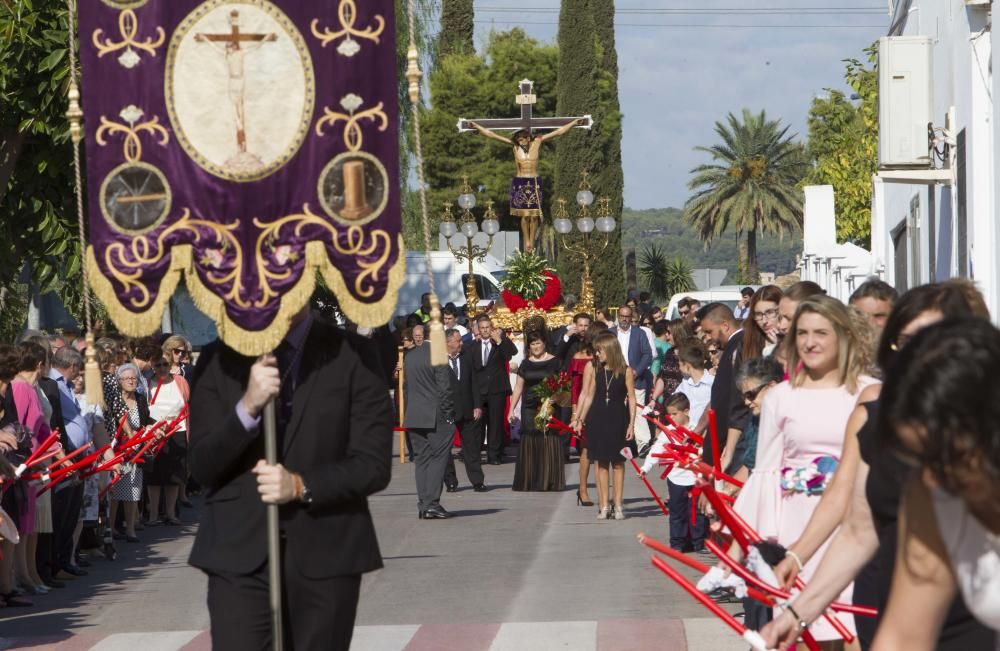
<point>339,438</point>
<point>465,391</point>
<point>51,391</point>
<point>493,378</point>
<point>727,401</point>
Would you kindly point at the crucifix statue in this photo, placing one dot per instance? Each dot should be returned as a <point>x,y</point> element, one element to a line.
<point>235,45</point>
<point>525,188</point>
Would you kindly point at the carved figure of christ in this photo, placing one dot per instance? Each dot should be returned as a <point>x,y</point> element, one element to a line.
<point>235,46</point>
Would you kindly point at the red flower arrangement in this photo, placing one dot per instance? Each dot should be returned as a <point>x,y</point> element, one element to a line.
<point>548,300</point>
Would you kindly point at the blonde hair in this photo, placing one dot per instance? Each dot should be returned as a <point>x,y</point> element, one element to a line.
<point>174,341</point>
<point>854,340</point>
<point>614,361</point>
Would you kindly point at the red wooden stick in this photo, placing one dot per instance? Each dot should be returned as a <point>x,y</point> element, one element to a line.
<point>110,484</point>
<point>33,458</point>
<point>627,453</point>
<point>656,545</point>
<point>121,425</point>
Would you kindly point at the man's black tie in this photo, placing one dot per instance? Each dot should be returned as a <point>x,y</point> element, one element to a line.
<point>454,367</point>
<point>286,358</point>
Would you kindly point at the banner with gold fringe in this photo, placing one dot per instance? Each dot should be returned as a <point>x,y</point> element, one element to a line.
<point>244,145</point>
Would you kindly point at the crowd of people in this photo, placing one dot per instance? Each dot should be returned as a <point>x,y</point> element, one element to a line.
<point>56,506</point>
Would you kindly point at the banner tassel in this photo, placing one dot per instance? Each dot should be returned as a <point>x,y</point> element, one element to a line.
<point>439,350</point>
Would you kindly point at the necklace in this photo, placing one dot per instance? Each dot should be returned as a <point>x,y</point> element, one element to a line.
<point>607,387</point>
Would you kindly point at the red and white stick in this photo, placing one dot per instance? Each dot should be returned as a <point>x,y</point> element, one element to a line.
<point>627,453</point>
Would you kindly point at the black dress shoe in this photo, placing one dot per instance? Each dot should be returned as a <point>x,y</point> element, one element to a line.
<point>436,513</point>
<point>452,489</point>
<point>421,514</point>
<point>495,462</point>
<point>75,571</point>
<point>479,488</point>
<point>54,583</point>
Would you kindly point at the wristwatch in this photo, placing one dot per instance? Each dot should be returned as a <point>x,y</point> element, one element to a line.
<point>305,495</point>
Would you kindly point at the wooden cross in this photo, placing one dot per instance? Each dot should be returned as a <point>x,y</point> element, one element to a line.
<point>235,37</point>
<point>526,99</point>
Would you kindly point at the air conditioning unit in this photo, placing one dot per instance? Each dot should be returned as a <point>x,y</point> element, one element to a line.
<point>906,101</point>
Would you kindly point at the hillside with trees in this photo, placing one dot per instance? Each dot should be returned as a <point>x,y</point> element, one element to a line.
<point>666,227</point>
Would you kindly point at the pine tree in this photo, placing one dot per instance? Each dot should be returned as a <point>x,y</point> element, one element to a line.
<point>457,26</point>
<point>588,83</point>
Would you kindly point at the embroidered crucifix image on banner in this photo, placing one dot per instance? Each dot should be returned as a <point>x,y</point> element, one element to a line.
<point>244,146</point>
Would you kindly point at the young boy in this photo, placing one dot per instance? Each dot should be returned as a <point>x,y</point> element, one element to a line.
<point>686,407</point>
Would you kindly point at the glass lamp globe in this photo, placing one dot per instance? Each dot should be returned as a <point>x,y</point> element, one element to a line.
<point>605,224</point>
<point>467,201</point>
<point>562,225</point>
<point>447,229</point>
<point>491,226</point>
<point>585,197</point>
<point>469,229</point>
<point>457,241</point>
<point>585,224</point>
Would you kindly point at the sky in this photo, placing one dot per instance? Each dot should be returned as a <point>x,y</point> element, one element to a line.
<point>683,65</point>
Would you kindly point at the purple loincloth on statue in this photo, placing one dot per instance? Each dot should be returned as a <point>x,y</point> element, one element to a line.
<point>525,197</point>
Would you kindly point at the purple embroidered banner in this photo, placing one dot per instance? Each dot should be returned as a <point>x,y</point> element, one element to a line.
<point>244,145</point>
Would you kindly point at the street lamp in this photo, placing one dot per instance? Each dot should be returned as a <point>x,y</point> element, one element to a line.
<point>459,236</point>
<point>586,224</point>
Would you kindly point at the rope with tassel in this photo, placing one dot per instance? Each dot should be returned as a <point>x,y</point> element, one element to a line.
<point>439,354</point>
<point>92,371</point>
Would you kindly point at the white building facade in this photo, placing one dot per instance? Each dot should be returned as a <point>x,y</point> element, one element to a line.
<point>933,224</point>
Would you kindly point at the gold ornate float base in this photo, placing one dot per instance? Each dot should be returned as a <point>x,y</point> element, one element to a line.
<point>514,321</point>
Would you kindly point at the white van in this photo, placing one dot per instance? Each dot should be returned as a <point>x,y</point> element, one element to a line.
<point>449,280</point>
<point>727,294</point>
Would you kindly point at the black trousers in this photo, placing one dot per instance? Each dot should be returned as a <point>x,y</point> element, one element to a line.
<point>681,531</point>
<point>493,417</point>
<point>66,506</point>
<point>472,441</point>
<point>317,613</point>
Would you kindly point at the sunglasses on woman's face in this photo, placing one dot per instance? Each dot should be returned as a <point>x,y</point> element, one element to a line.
<point>751,395</point>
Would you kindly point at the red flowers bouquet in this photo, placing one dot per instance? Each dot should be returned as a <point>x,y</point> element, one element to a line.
<point>553,390</point>
<point>530,280</point>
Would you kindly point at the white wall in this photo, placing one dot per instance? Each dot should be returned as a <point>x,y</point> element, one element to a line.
<point>933,251</point>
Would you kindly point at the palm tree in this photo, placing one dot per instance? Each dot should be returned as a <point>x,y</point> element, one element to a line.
<point>751,185</point>
<point>664,277</point>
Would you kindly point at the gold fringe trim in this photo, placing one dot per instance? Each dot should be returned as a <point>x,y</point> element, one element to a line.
<point>248,342</point>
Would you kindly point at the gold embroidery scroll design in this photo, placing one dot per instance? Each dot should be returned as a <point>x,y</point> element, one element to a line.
<point>353,134</point>
<point>347,14</point>
<point>132,146</point>
<point>128,29</point>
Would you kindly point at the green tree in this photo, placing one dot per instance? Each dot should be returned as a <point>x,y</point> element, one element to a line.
<point>751,184</point>
<point>474,86</point>
<point>843,143</point>
<point>457,27</point>
<point>664,276</point>
<point>588,84</point>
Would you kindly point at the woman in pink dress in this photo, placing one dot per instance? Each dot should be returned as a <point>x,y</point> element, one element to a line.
<point>802,425</point>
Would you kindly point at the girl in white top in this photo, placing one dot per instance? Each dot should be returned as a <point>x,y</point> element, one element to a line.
<point>941,411</point>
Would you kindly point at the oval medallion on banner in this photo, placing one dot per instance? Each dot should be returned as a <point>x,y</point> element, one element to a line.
<point>239,88</point>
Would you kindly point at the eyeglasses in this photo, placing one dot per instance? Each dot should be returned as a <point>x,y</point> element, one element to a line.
<point>751,395</point>
<point>129,379</point>
<point>770,315</point>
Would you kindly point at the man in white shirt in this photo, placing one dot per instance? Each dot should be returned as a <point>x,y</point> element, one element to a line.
<point>742,309</point>
<point>449,317</point>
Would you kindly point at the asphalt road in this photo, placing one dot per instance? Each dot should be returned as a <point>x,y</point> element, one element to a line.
<point>511,571</point>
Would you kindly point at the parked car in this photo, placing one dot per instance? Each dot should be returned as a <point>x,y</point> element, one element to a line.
<point>728,294</point>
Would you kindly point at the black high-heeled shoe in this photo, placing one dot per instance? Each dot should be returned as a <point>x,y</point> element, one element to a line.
<point>580,502</point>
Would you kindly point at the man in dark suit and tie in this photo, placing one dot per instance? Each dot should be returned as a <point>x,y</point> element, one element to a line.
<point>639,356</point>
<point>716,322</point>
<point>490,356</point>
<point>468,411</point>
<point>430,420</point>
<point>335,442</point>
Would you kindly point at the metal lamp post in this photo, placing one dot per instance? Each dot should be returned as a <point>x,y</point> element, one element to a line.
<point>585,224</point>
<point>459,236</point>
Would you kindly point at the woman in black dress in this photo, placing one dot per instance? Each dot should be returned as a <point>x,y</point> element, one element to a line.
<point>605,412</point>
<point>540,463</point>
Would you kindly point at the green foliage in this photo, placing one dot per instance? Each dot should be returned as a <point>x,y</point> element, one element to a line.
<point>38,224</point>
<point>667,228</point>
<point>751,185</point>
<point>457,27</point>
<point>662,276</point>
<point>843,143</point>
<point>588,84</point>
<point>525,275</point>
<point>472,86</point>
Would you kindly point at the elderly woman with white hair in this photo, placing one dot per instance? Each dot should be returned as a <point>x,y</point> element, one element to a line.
<point>131,406</point>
